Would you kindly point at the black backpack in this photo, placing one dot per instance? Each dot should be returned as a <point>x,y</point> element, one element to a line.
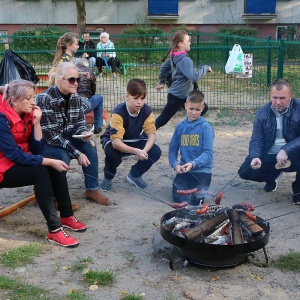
<point>169,79</point>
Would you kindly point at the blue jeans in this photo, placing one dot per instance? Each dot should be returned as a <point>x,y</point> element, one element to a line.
<point>96,104</point>
<point>91,180</point>
<point>92,62</point>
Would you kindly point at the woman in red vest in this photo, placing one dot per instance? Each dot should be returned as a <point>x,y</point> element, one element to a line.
<point>21,141</point>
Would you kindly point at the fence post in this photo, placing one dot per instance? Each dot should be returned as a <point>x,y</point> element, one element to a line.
<point>227,45</point>
<point>198,54</point>
<point>281,54</point>
<point>269,61</point>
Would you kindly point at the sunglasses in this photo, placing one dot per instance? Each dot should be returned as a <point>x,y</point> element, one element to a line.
<point>72,80</point>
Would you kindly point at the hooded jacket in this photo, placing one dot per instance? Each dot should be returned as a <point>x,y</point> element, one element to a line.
<point>194,142</point>
<point>183,74</point>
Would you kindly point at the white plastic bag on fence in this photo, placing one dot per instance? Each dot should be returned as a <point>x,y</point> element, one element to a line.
<point>235,63</point>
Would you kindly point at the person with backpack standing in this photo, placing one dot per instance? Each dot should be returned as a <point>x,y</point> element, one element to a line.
<point>183,77</point>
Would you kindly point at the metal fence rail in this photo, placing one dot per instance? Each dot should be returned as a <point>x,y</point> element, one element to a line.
<point>141,57</point>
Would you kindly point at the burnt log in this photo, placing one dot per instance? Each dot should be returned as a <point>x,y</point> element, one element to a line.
<point>254,229</point>
<point>207,227</point>
<point>235,227</point>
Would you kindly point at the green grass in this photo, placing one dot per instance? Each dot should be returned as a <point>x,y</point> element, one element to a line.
<point>132,297</point>
<point>289,262</point>
<point>76,295</point>
<point>21,256</point>
<point>100,277</point>
<point>16,290</point>
<point>81,264</point>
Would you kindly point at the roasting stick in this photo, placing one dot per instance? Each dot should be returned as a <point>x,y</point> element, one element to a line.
<point>161,169</point>
<point>147,195</point>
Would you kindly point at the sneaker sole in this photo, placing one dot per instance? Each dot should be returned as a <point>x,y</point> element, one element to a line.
<point>104,190</point>
<point>131,181</point>
<point>66,246</point>
<point>73,229</point>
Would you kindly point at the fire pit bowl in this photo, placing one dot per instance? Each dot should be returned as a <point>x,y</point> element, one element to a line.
<point>213,255</point>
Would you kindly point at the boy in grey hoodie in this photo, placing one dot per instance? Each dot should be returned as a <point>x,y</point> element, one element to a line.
<point>193,138</point>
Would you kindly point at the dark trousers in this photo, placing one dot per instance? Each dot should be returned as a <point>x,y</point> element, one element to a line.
<point>113,159</point>
<point>111,62</point>
<point>187,181</point>
<point>268,173</point>
<point>48,183</point>
<point>170,109</point>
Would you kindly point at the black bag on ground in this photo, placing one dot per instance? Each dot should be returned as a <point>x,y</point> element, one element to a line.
<point>14,67</point>
<point>118,63</point>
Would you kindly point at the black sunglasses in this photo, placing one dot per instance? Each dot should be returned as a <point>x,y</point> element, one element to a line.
<point>72,80</point>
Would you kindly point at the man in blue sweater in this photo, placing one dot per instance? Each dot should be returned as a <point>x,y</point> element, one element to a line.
<point>193,138</point>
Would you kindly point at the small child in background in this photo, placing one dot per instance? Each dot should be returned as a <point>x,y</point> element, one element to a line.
<point>193,138</point>
<point>66,47</point>
<point>123,137</point>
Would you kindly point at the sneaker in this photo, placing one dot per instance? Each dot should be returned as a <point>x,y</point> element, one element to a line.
<point>137,181</point>
<point>72,223</point>
<point>296,197</point>
<point>100,75</point>
<point>272,186</point>
<point>105,185</point>
<point>114,76</point>
<point>97,130</point>
<point>62,238</point>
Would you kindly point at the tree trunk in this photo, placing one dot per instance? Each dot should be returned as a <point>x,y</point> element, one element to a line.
<point>81,17</point>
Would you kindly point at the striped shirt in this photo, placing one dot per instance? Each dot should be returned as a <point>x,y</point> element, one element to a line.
<point>61,119</point>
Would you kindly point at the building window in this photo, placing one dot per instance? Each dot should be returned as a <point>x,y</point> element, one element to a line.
<point>259,7</point>
<point>3,37</point>
<point>166,7</point>
<point>287,33</point>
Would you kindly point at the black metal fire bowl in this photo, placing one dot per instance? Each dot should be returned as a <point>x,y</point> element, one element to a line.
<point>214,255</point>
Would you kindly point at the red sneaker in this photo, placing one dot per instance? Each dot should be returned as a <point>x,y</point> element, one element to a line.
<point>62,238</point>
<point>72,223</point>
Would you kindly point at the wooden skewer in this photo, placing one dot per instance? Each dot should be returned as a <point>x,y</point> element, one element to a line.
<point>9,209</point>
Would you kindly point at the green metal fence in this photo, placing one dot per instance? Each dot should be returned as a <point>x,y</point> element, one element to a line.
<point>141,57</point>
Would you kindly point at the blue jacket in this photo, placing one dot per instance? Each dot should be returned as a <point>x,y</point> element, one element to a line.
<point>264,130</point>
<point>194,141</point>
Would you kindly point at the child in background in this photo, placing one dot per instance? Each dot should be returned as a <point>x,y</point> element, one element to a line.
<point>66,46</point>
<point>183,74</point>
<point>193,139</point>
<point>123,137</point>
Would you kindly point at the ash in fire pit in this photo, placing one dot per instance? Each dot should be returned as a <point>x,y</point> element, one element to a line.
<point>218,239</point>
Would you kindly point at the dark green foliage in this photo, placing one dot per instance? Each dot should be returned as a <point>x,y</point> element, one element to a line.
<point>141,36</point>
<point>239,32</point>
<point>245,31</point>
<point>35,39</point>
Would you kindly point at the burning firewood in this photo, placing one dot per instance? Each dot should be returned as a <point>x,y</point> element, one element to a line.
<point>207,227</point>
